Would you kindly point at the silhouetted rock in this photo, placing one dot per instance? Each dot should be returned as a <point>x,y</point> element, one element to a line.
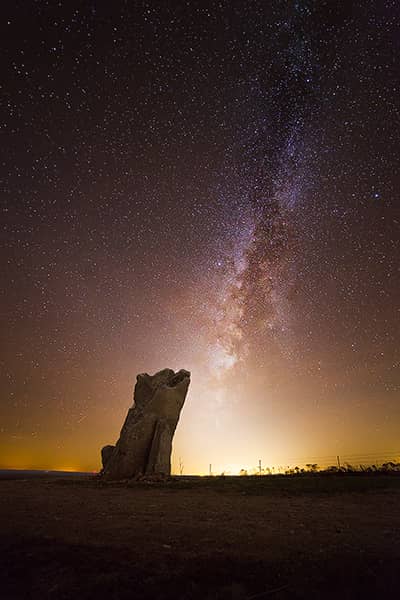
<point>145,443</point>
<point>106,453</point>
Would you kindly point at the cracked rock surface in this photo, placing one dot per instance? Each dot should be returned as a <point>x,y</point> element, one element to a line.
<point>145,443</point>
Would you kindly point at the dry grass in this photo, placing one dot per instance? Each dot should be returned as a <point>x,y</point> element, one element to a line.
<point>192,538</point>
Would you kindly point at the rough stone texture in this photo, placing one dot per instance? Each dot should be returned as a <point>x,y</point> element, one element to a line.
<point>145,443</point>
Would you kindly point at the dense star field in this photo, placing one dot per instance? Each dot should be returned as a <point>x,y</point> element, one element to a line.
<point>208,186</point>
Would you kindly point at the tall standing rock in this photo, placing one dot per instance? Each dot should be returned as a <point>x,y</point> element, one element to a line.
<point>145,442</point>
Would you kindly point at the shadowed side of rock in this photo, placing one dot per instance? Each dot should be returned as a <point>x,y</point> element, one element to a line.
<point>145,443</point>
<point>106,453</point>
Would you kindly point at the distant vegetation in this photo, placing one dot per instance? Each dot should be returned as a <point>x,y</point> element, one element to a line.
<point>385,468</point>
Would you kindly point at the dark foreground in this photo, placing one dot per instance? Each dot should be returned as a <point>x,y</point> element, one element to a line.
<point>236,538</point>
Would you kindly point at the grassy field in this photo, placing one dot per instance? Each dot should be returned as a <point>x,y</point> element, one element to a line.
<point>312,536</point>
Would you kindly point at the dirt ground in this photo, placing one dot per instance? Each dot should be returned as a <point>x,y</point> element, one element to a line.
<point>195,538</point>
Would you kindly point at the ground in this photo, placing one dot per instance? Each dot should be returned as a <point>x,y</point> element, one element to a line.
<point>211,538</point>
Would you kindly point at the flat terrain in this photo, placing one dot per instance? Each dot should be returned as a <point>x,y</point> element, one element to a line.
<point>190,538</point>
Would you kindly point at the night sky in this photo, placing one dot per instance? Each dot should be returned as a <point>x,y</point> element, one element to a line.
<point>208,186</point>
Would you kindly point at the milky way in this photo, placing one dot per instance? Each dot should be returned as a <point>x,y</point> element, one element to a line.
<point>269,149</point>
<point>202,186</point>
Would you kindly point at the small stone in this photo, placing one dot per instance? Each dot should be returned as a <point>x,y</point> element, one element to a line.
<point>106,453</point>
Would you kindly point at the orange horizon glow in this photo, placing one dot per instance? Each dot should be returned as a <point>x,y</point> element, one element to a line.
<point>217,468</point>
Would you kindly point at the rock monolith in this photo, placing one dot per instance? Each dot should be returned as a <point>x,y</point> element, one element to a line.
<point>145,443</point>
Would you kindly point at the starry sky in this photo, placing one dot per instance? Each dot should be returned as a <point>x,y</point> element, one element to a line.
<point>210,186</point>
